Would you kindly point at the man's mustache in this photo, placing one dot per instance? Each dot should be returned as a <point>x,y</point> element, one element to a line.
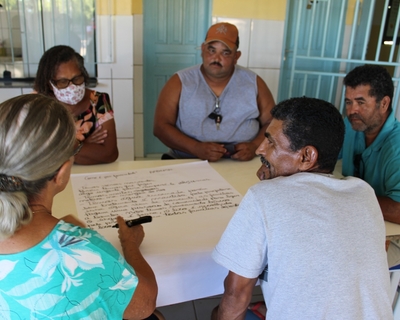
<point>216,63</point>
<point>264,161</point>
<point>355,116</point>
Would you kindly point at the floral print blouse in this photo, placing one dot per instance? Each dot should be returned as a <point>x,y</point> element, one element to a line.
<point>98,112</point>
<point>74,273</point>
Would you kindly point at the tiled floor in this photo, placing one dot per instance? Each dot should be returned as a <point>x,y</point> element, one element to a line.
<point>198,309</point>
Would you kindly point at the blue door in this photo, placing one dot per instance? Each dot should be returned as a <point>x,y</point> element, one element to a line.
<point>313,34</point>
<point>173,33</point>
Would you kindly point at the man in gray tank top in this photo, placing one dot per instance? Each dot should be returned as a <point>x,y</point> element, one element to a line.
<point>216,109</point>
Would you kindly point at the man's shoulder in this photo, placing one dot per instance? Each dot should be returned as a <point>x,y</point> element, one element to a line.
<point>243,76</point>
<point>244,70</point>
<point>395,128</point>
<point>297,179</point>
<point>189,70</point>
<point>391,142</point>
<point>277,183</point>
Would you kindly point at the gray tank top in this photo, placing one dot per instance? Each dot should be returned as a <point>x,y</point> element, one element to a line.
<point>237,104</point>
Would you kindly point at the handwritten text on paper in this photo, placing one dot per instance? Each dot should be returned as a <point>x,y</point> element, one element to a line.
<point>162,191</point>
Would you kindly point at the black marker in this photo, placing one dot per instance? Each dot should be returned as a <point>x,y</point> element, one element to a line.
<point>135,222</point>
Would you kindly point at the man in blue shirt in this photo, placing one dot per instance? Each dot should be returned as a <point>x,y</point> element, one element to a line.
<point>371,148</point>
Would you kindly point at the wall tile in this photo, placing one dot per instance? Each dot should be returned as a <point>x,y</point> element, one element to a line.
<point>115,46</point>
<point>105,26</point>
<point>266,44</point>
<point>122,92</point>
<point>271,78</point>
<point>139,137</point>
<point>26,90</point>
<point>138,39</point>
<point>105,85</point>
<point>9,93</point>
<point>138,89</point>
<point>104,70</point>
<point>123,65</point>
<point>126,150</point>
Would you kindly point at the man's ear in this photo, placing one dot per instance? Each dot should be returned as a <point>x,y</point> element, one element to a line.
<point>237,56</point>
<point>384,106</point>
<point>309,159</point>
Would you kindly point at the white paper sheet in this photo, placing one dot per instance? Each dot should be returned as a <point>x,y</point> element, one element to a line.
<point>173,190</point>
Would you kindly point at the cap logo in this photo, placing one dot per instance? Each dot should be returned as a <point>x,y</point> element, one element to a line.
<point>222,29</point>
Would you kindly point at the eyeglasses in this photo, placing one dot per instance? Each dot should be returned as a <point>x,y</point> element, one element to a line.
<point>358,166</point>
<point>64,83</point>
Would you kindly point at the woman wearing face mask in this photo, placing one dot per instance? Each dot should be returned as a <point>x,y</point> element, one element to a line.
<point>61,74</point>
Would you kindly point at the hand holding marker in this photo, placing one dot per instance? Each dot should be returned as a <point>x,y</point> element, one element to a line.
<point>135,222</point>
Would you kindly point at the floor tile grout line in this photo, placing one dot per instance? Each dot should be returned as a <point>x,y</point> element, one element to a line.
<point>194,309</point>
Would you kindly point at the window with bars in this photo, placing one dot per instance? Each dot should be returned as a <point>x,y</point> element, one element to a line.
<point>30,27</point>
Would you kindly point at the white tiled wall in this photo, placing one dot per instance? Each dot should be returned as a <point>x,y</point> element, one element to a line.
<point>120,68</point>
<point>115,76</point>
<point>8,93</point>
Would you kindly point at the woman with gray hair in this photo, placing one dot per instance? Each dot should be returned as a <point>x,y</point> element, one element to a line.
<point>50,268</point>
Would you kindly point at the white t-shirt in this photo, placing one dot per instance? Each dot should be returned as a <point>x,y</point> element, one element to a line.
<point>323,240</point>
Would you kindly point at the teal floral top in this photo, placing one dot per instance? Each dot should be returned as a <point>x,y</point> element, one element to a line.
<point>74,273</point>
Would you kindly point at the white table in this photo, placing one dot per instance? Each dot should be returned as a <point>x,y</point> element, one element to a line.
<point>183,267</point>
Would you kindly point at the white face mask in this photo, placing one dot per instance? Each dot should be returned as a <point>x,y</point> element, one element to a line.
<point>71,94</point>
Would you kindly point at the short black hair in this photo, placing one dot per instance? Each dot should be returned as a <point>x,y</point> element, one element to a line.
<point>312,122</point>
<point>49,63</point>
<point>377,77</point>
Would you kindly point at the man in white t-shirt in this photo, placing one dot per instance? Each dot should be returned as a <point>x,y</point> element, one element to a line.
<point>315,242</point>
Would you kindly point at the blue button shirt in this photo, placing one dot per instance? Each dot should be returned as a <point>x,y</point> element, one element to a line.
<point>379,164</point>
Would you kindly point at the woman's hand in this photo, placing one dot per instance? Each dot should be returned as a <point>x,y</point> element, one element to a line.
<point>103,147</point>
<point>98,136</point>
<point>129,236</point>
